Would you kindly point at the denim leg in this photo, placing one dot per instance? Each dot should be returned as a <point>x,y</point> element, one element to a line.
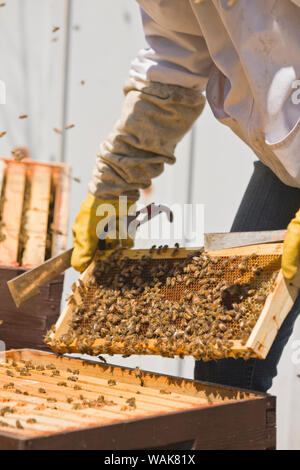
<point>268,204</point>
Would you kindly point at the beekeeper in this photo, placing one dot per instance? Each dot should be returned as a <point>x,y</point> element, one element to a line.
<point>244,56</point>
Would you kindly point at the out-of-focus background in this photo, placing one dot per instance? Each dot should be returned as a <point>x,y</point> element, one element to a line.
<point>74,76</point>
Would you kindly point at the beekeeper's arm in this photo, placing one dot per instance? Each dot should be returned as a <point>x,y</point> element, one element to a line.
<point>163,98</point>
<point>291,249</point>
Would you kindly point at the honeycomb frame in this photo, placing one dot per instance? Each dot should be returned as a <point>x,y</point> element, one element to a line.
<point>275,309</point>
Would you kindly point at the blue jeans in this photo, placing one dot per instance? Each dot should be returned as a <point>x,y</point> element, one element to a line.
<point>268,204</point>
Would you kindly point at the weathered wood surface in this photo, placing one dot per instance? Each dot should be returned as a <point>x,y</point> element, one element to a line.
<point>2,174</point>
<point>34,211</point>
<point>36,217</point>
<point>62,180</point>
<point>12,213</point>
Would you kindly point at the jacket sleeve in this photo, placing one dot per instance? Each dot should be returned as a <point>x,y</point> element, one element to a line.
<point>163,98</point>
<point>177,52</point>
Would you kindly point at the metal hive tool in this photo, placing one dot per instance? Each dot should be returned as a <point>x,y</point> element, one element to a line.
<point>266,317</point>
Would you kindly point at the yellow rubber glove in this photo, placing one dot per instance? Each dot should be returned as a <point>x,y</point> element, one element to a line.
<point>291,248</point>
<point>88,223</point>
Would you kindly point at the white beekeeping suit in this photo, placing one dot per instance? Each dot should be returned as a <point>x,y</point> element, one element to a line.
<point>245,55</point>
<point>31,69</point>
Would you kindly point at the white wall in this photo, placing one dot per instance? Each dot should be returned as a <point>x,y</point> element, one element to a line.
<point>32,69</point>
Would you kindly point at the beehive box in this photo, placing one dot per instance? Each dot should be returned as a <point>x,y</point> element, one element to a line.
<point>262,274</point>
<point>33,227</point>
<point>108,407</point>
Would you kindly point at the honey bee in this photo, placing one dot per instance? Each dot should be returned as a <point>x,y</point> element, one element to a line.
<point>72,378</point>
<point>31,421</point>
<point>259,298</point>
<point>131,402</point>
<point>19,425</point>
<point>77,406</point>
<point>176,250</point>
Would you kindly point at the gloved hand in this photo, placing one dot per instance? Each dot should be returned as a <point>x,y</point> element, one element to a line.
<point>88,227</point>
<point>153,120</point>
<point>291,249</point>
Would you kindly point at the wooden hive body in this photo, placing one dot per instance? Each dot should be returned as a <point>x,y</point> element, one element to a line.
<point>34,211</point>
<point>275,309</point>
<point>34,214</point>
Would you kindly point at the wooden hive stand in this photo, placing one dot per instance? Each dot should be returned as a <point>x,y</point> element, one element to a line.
<point>34,213</point>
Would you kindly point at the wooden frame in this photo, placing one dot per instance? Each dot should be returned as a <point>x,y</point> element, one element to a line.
<point>26,214</point>
<point>275,310</point>
<point>277,305</point>
<point>12,213</point>
<point>36,217</point>
<point>2,172</point>
<point>62,182</point>
<point>187,415</point>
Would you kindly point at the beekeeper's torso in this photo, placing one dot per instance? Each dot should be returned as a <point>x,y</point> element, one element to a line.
<point>247,58</point>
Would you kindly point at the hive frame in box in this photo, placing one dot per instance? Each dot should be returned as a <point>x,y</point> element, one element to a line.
<point>276,308</point>
<point>41,176</point>
<point>27,326</point>
<point>188,415</point>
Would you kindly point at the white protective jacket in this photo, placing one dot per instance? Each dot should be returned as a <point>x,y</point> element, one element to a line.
<point>245,56</point>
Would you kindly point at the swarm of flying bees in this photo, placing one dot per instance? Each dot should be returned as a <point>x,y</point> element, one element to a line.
<point>193,306</point>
